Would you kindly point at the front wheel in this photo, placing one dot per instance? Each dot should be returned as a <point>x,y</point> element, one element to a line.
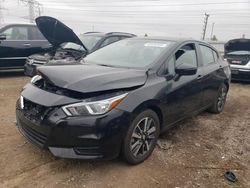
<point>220,100</point>
<point>141,137</point>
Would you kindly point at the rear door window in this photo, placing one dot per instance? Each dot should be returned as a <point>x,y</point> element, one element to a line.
<point>207,55</point>
<point>36,34</point>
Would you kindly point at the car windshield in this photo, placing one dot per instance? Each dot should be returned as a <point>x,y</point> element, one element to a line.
<point>239,53</point>
<point>89,41</point>
<point>129,53</point>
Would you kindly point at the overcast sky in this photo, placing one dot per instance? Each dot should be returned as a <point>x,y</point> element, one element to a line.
<point>179,18</point>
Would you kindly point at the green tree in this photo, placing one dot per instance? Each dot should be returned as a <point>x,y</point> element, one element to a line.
<point>214,38</point>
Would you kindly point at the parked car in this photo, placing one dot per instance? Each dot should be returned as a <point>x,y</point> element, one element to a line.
<point>237,53</point>
<point>17,42</point>
<point>68,48</point>
<point>121,97</point>
<point>96,40</point>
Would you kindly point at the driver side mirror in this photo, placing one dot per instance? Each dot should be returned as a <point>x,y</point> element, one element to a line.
<point>185,69</point>
<point>3,37</point>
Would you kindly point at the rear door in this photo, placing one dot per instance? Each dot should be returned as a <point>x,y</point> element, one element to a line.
<point>213,74</point>
<point>15,49</point>
<point>38,43</point>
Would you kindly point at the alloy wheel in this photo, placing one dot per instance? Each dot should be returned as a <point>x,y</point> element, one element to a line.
<point>222,98</point>
<point>143,136</point>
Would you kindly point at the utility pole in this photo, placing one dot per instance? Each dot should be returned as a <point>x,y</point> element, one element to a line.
<point>1,13</point>
<point>33,6</point>
<point>205,26</point>
<point>212,31</point>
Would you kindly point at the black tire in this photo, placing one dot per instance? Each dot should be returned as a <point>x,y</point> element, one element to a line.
<point>220,100</point>
<point>142,140</point>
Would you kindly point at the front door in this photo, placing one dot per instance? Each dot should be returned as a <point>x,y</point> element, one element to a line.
<point>15,48</point>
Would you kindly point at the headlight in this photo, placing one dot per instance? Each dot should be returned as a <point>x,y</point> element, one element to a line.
<point>35,78</point>
<point>93,107</point>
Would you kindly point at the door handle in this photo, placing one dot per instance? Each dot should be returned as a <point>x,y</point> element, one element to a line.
<point>26,44</point>
<point>199,77</point>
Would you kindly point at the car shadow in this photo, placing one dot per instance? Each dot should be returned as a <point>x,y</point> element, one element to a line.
<point>11,73</point>
<point>240,82</point>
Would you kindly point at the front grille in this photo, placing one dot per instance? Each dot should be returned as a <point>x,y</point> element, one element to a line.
<point>34,112</point>
<point>39,62</point>
<point>33,135</point>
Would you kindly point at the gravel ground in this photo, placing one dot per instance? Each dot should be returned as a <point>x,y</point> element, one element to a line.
<point>196,153</point>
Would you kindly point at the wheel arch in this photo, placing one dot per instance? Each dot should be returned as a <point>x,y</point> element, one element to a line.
<point>227,84</point>
<point>152,105</point>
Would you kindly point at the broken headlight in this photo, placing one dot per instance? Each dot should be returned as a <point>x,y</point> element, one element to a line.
<point>35,78</point>
<point>93,107</point>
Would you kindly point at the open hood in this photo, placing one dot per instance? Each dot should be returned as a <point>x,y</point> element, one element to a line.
<point>56,32</point>
<point>92,78</point>
<point>237,45</point>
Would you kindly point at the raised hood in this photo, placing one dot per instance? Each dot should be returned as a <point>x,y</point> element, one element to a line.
<point>237,45</point>
<point>56,32</point>
<point>92,78</point>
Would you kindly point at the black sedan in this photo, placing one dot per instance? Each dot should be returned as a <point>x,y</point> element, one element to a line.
<point>121,98</point>
<point>17,42</point>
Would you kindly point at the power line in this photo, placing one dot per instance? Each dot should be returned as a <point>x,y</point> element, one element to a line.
<point>148,12</point>
<point>147,15</point>
<point>148,5</point>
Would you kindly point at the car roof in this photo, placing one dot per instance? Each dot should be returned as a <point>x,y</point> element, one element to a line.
<point>177,41</point>
<point>102,34</point>
<point>166,39</point>
<point>173,39</point>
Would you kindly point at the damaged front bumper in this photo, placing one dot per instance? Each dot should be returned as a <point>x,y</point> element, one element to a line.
<point>30,67</point>
<point>89,137</point>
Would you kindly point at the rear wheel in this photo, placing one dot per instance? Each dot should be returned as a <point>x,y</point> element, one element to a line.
<point>141,137</point>
<point>220,100</point>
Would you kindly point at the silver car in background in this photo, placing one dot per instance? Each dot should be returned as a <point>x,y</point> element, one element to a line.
<point>237,53</point>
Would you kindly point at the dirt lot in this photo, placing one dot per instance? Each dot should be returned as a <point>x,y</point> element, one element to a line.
<point>194,154</point>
